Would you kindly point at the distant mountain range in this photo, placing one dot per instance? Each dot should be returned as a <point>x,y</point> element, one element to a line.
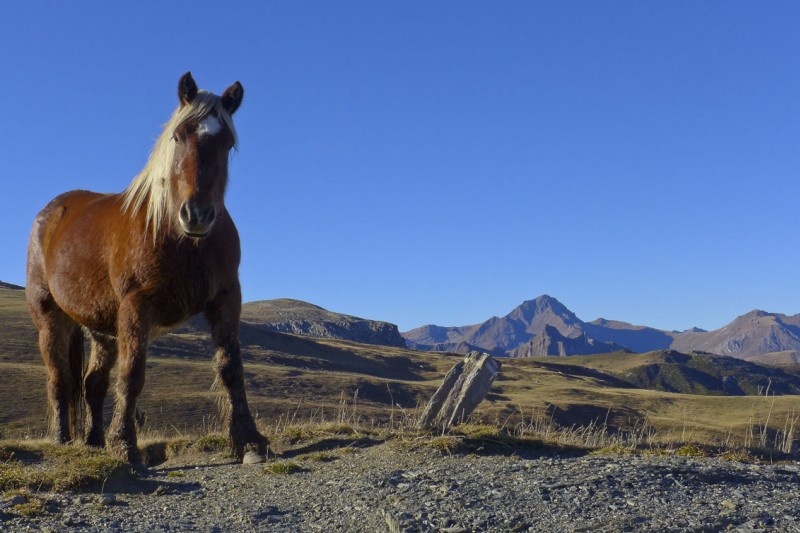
<point>539,327</point>
<point>544,326</point>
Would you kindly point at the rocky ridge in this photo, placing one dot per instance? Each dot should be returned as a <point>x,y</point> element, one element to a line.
<point>544,326</point>
<point>301,318</point>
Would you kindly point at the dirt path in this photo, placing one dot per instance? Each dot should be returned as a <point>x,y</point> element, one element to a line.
<point>388,487</point>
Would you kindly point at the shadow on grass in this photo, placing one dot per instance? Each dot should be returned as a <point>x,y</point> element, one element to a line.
<point>330,444</point>
<point>498,445</point>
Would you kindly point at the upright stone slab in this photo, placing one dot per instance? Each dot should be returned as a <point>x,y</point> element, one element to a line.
<point>463,388</point>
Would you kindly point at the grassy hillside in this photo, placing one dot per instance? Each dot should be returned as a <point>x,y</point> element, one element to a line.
<point>706,374</point>
<point>292,378</point>
<point>785,358</point>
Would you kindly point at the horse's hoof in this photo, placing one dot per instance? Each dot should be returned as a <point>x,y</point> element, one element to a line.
<point>253,458</point>
<point>124,450</point>
<point>95,441</point>
<point>141,470</point>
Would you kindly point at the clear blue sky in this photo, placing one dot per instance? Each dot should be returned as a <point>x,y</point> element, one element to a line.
<point>440,162</point>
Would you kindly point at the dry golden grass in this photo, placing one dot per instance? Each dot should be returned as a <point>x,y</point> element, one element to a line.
<point>303,389</point>
<point>37,465</point>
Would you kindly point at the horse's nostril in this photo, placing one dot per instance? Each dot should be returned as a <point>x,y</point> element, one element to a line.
<point>197,219</point>
<point>186,212</point>
<point>208,215</point>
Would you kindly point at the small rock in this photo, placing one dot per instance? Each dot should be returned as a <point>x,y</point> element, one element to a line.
<point>107,499</point>
<point>253,458</point>
<point>411,474</point>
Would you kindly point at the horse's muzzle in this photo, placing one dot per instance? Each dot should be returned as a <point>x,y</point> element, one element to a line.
<point>196,220</point>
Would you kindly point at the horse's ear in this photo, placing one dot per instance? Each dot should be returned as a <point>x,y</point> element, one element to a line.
<point>232,97</point>
<point>187,89</point>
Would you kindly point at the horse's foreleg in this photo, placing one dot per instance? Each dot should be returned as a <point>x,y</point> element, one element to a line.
<point>104,355</point>
<point>132,336</point>
<point>223,315</point>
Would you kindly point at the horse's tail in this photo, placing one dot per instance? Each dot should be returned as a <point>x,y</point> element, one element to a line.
<point>76,377</point>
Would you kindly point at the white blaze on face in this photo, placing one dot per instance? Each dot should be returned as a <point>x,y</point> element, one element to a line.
<point>209,126</point>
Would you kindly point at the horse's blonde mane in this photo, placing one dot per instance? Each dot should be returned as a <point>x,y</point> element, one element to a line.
<point>151,189</point>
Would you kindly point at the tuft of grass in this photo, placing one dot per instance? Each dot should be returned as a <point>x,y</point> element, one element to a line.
<point>296,433</point>
<point>738,456</point>
<point>347,450</point>
<point>32,506</point>
<point>157,450</point>
<point>283,468</point>
<point>303,432</point>
<point>212,442</point>
<point>691,450</point>
<point>175,473</point>
<point>446,445</point>
<point>178,446</point>
<point>56,467</point>
<point>614,449</point>
<point>479,431</point>
<point>318,457</point>
<point>658,452</point>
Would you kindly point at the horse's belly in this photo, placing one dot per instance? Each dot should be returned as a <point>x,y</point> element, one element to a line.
<point>70,233</point>
<point>91,307</point>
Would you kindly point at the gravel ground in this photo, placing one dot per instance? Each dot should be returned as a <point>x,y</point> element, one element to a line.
<point>386,487</point>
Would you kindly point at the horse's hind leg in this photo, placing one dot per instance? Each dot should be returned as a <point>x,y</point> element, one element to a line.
<point>61,345</point>
<point>103,357</point>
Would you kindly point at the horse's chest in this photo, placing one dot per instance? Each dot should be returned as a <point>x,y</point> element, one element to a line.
<point>180,298</point>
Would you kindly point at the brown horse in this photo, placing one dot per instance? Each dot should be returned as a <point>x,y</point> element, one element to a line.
<point>127,267</point>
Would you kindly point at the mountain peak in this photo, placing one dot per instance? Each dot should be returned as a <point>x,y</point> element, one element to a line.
<point>502,335</point>
<point>543,300</point>
<point>528,309</point>
<point>753,316</point>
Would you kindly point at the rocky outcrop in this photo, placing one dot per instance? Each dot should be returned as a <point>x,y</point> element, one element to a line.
<point>302,318</point>
<point>463,388</point>
<point>551,342</point>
